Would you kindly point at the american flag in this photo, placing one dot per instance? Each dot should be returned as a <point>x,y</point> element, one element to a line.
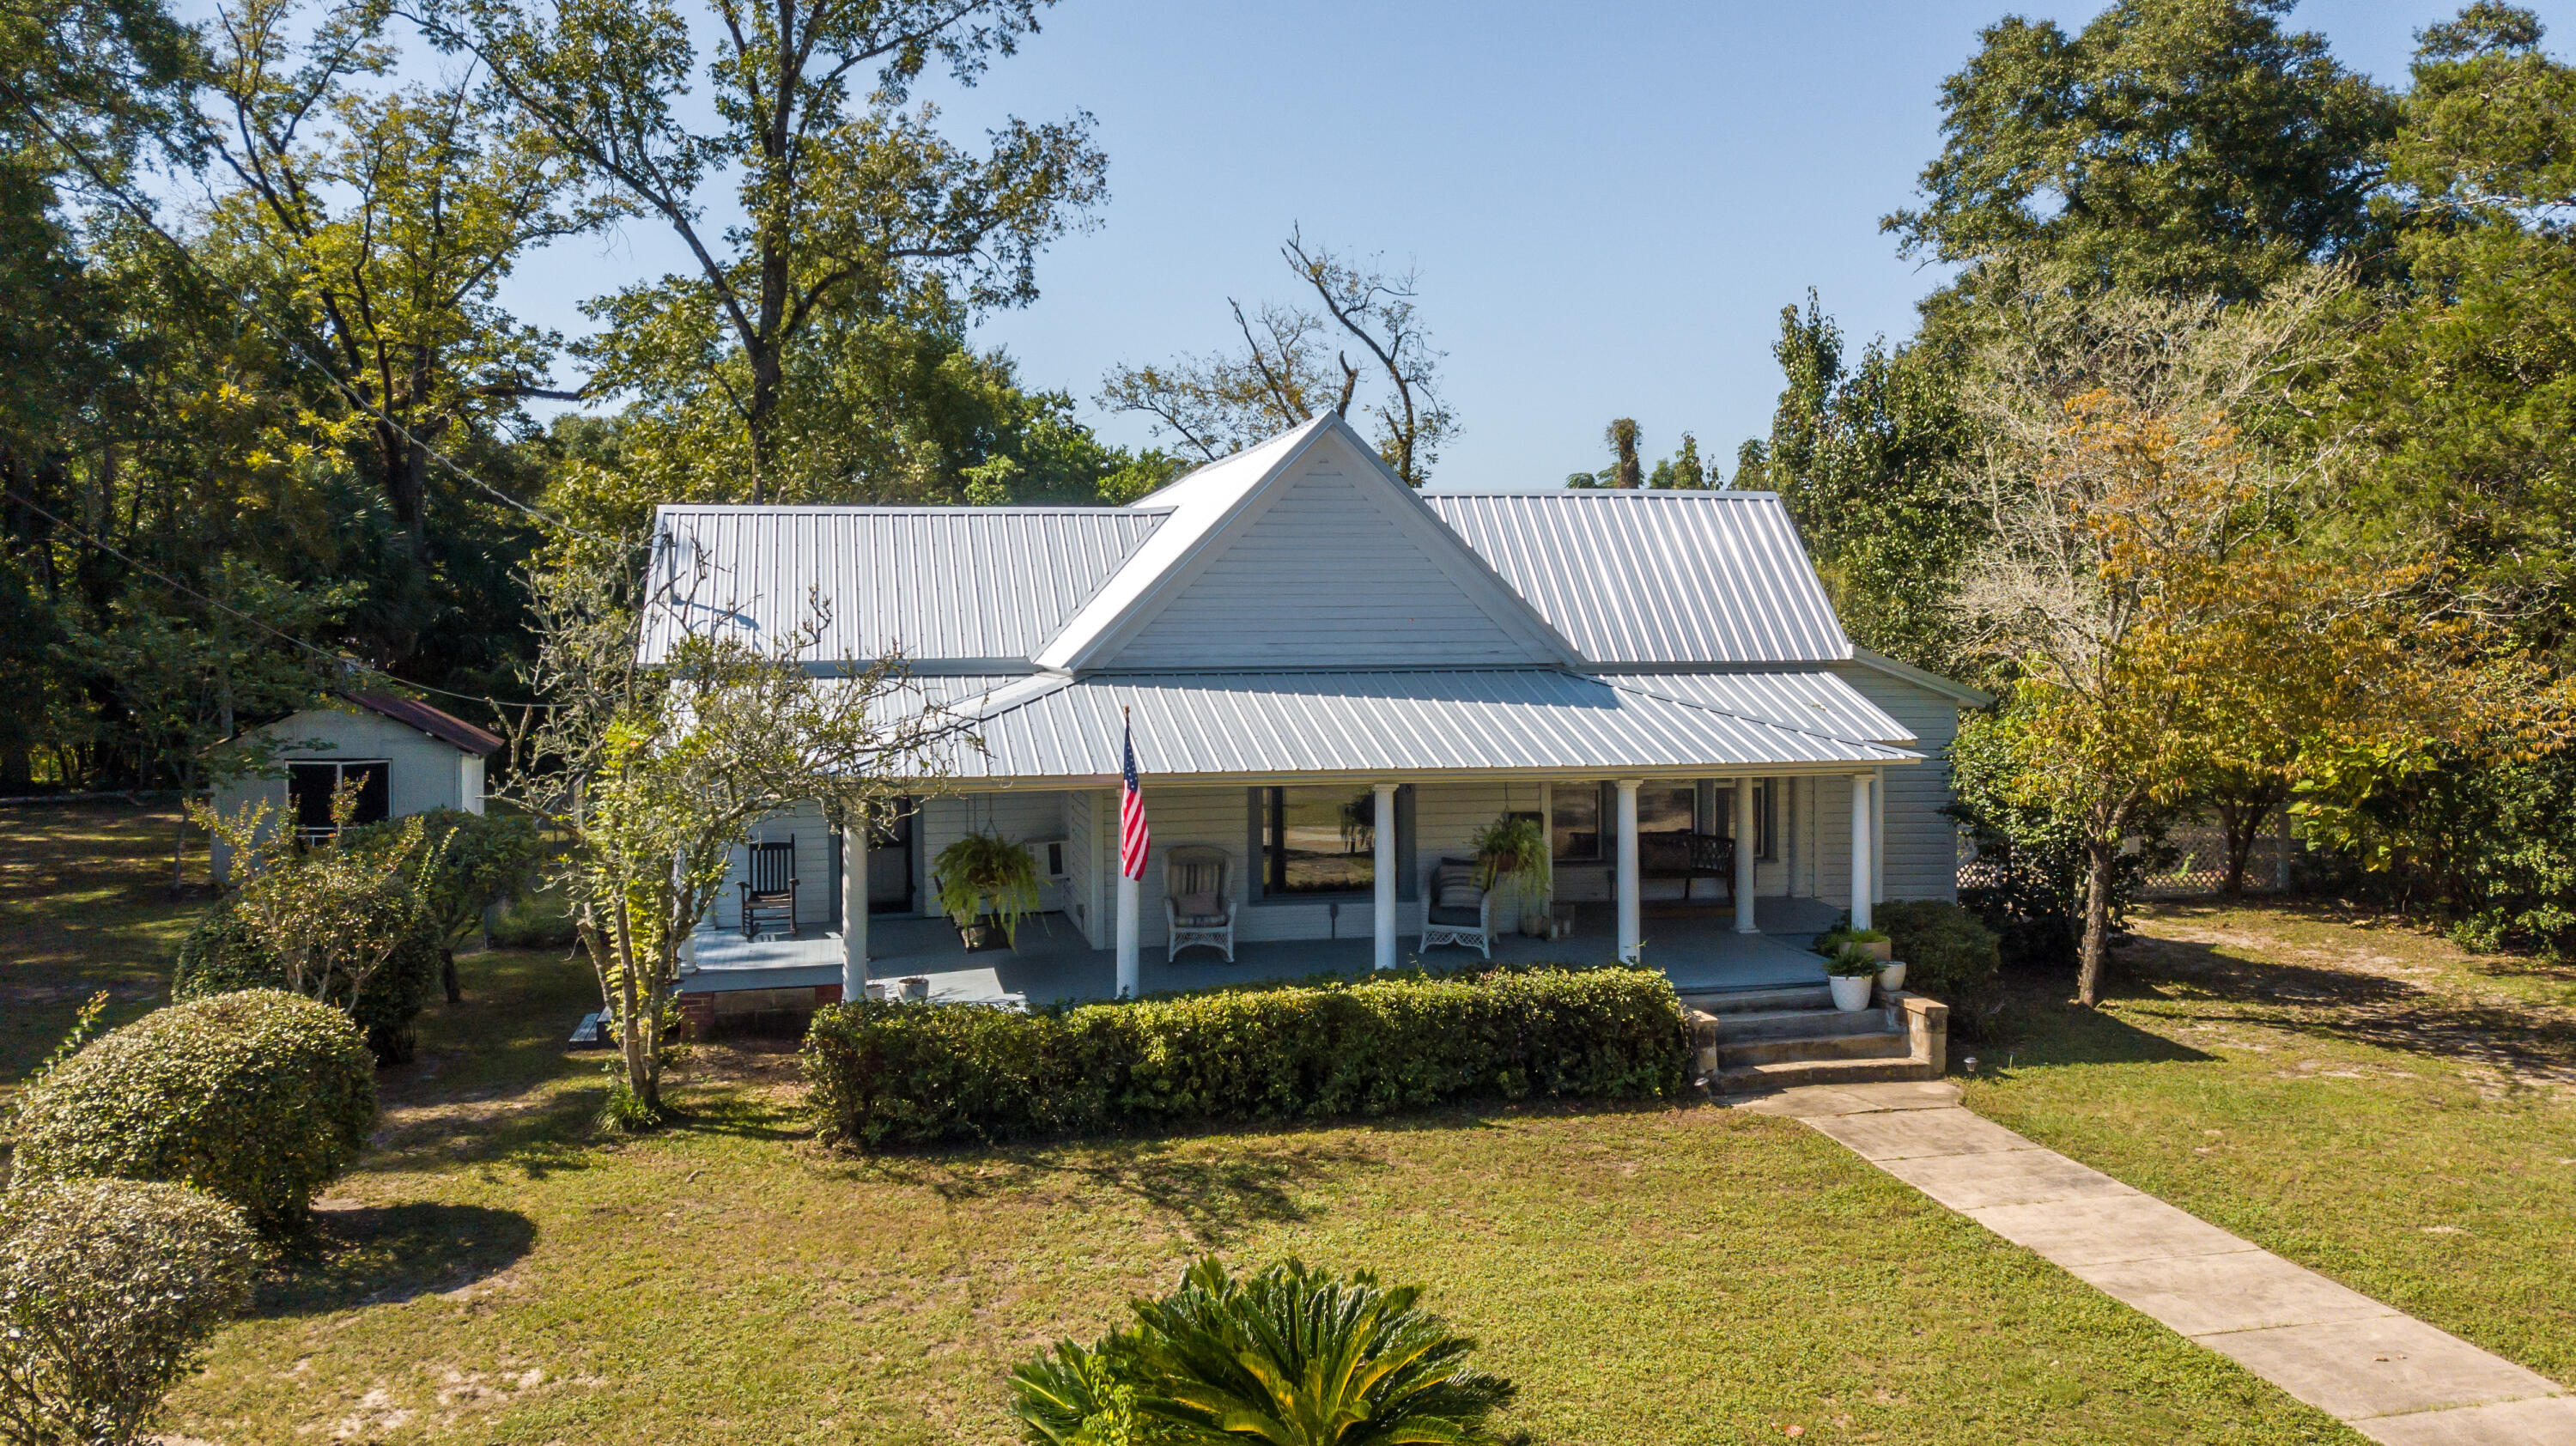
<point>1134,839</point>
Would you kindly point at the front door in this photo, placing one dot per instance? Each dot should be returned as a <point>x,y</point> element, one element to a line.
<point>890,862</point>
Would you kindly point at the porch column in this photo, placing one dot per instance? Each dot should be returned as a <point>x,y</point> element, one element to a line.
<point>1744,851</point>
<point>1631,915</point>
<point>854,912</point>
<point>1382,827</point>
<point>1862,885</point>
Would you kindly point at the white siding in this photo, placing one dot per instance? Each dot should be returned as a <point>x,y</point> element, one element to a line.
<point>1921,856</point>
<point>1017,816</point>
<point>1082,865</point>
<point>1323,577</point>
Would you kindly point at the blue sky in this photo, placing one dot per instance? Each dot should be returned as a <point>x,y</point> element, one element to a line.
<point>1608,205</point>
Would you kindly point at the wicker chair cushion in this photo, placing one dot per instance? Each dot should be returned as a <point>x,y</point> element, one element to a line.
<point>1199,910</point>
<point>1466,918</point>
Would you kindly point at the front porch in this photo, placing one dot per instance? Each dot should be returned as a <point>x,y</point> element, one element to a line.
<point>1695,944</point>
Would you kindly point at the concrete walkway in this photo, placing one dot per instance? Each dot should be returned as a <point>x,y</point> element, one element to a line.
<point>2388,1375</point>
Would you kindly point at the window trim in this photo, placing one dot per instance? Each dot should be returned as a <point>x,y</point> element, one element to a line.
<point>1260,799</point>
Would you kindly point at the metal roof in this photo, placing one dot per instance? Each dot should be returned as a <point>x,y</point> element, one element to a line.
<point>1798,700</point>
<point>956,585</point>
<point>1380,724</point>
<point>1647,577</point>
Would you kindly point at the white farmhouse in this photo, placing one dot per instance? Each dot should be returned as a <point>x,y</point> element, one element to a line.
<point>1334,682</point>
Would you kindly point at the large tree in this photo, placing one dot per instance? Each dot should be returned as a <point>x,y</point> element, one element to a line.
<point>1296,364</point>
<point>2467,393</point>
<point>842,205</point>
<point>2188,146</point>
<point>386,222</point>
<point>1872,461</point>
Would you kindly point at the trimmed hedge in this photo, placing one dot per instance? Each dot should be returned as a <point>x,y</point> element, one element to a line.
<point>219,956</point>
<point>259,1098</point>
<point>894,1073</point>
<point>108,1292</point>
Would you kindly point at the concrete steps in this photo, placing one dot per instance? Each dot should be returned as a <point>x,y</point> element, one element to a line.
<point>1772,1039</point>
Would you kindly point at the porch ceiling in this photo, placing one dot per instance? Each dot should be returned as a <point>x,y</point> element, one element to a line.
<point>1256,726</point>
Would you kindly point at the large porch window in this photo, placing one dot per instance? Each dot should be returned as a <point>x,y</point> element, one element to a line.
<point>310,787</point>
<point>1317,840</point>
<point>1765,835</point>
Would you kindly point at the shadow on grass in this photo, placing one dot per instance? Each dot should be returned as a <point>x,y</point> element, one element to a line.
<point>387,1254</point>
<point>2371,1009</point>
<point>1249,1178</point>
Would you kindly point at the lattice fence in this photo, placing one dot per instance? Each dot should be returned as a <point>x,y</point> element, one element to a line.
<point>2200,868</point>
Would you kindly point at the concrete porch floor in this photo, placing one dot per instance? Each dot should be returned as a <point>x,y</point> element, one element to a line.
<point>1694,944</point>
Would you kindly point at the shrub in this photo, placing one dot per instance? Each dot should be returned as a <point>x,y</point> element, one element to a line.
<point>917,1073</point>
<point>474,861</point>
<point>2029,879</point>
<point>220,956</point>
<point>108,1290</point>
<point>258,1098</point>
<point>1948,955</point>
<point>1292,1356</point>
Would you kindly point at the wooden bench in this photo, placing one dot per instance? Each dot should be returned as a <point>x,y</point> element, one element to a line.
<point>1688,857</point>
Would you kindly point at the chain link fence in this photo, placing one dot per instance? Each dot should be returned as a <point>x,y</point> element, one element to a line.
<point>2199,867</point>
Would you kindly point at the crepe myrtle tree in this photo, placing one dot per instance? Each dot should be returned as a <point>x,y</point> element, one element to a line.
<point>655,771</point>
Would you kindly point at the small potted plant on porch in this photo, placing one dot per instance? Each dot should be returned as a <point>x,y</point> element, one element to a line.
<point>987,885</point>
<point>1851,973</point>
<point>1513,853</point>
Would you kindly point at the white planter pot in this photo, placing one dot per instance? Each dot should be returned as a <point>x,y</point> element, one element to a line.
<point>1851,991</point>
<point>1892,978</point>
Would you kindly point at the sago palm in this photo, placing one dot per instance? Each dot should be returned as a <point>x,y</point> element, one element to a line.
<point>1300,1357</point>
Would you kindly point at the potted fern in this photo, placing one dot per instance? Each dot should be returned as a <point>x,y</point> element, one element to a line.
<point>1852,973</point>
<point>1513,853</point>
<point>987,885</point>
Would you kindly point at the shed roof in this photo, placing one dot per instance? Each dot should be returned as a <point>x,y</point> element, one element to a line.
<point>444,726</point>
<point>953,587</point>
<point>1212,726</point>
<point>1654,577</point>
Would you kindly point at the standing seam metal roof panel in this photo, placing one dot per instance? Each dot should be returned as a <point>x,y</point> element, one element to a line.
<point>944,583</point>
<point>1271,724</point>
<point>1641,578</point>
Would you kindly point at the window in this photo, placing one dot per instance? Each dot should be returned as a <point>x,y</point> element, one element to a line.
<point>1765,837</point>
<point>1667,808</point>
<point>309,787</point>
<point>1317,840</point>
<point>1575,831</point>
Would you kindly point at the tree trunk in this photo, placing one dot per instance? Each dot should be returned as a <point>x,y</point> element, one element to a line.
<point>447,976</point>
<point>2105,859</point>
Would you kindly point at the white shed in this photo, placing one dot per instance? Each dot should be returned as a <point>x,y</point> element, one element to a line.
<point>405,757</point>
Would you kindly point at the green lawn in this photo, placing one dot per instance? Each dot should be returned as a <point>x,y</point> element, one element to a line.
<point>495,1273</point>
<point>2368,1101</point>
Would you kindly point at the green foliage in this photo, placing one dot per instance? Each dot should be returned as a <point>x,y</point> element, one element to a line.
<point>2172,145</point>
<point>2487,847</point>
<point>1948,955</point>
<point>108,1292</point>
<point>222,955</point>
<point>259,1098</point>
<point>1841,934</point>
<point>984,875</point>
<point>1851,961</point>
<point>918,1074</point>
<point>1290,1355</point>
<point>1871,461</point>
<point>472,861</point>
<point>540,919</point>
<point>2032,861</point>
<point>350,925</point>
<point>1517,860</point>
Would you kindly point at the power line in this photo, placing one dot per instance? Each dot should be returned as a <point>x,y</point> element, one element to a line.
<point>166,580</point>
<point>294,347</point>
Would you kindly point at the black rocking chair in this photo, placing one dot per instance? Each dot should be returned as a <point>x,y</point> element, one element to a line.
<point>769,888</point>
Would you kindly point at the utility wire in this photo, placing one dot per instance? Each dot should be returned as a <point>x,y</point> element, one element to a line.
<point>286,335</point>
<point>112,550</point>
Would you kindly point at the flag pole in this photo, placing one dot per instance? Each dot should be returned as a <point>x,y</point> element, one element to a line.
<point>1130,968</point>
